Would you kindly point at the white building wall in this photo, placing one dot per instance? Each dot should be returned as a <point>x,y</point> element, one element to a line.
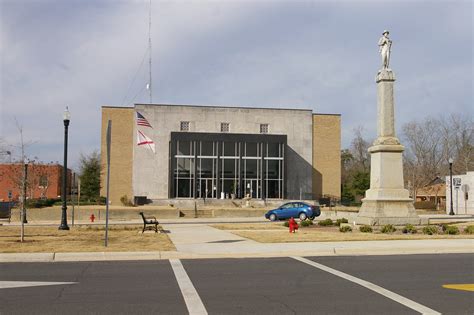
<point>150,171</point>
<point>461,205</point>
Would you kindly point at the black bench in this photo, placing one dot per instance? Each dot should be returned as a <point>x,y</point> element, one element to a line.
<point>6,210</point>
<point>149,223</point>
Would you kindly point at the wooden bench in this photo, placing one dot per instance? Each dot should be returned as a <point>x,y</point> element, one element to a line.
<point>149,223</point>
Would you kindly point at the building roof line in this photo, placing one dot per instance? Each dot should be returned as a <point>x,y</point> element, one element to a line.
<point>225,106</point>
<point>119,107</point>
<point>324,114</point>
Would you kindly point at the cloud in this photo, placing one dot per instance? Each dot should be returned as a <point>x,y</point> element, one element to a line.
<point>297,54</point>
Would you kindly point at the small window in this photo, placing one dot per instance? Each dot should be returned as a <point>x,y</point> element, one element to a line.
<point>224,127</point>
<point>263,128</point>
<point>43,181</point>
<point>184,126</point>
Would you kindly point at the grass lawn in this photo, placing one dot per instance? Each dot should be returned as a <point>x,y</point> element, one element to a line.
<point>48,239</point>
<point>276,233</point>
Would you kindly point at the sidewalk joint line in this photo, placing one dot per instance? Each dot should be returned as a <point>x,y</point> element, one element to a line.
<point>377,289</point>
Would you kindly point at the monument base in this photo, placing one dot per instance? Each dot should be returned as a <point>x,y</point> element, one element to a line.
<point>388,211</point>
<point>387,201</point>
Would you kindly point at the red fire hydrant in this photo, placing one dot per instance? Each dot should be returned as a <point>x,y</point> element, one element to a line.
<point>292,225</point>
<point>92,217</point>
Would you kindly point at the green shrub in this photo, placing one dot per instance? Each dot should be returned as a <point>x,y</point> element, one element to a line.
<point>409,229</point>
<point>41,203</point>
<point>469,229</point>
<point>286,224</point>
<point>430,229</point>
<point>327,222</point>
<point>388,228</point>
<point>345,228</point>
<point>365,229</point>
<point>305,223</point>
<point>452,230</point>
<point>343,220</point>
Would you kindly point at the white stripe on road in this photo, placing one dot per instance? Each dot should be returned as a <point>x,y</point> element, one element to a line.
<point>190,295</point>
<point>389,294</point>
<point>22,284</point>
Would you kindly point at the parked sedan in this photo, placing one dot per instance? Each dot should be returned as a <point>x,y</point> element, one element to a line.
<point>295,209</point>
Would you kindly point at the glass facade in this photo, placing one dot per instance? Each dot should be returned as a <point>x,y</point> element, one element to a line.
<point>208,165</point>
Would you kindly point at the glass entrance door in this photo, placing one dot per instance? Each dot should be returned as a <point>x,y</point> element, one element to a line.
<point>251,188</point>
<point>206,189</point>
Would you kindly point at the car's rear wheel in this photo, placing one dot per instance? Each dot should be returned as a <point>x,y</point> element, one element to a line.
<point>273,217</point>
<point>303,216</point>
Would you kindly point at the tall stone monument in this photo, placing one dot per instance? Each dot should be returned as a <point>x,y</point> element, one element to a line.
<point>387,201</point>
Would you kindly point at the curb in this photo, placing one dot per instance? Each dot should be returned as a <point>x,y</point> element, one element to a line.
<point>165,255</point>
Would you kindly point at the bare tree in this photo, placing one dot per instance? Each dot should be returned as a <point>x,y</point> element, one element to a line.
<point>458,139</point>
<point>359,150</point>
<point>429,145</point>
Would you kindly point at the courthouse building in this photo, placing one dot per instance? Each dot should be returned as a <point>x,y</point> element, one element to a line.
<point>217,152</point>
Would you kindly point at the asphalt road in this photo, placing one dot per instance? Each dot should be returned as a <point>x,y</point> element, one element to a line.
<point>243,286</point>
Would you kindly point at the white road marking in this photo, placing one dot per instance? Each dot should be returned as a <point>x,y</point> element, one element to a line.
<point>190,295</point>
<point>389,294</point>
<point>21,284</point>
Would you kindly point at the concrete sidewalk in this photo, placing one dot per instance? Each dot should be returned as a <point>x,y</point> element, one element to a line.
<point>194,238</point>
<point>205,241</point>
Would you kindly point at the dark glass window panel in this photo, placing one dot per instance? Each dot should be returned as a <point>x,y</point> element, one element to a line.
<point>251,149</point>
<point>229,168</point>
<point>229,149</point>
<point>205,167</point>
<point>185,167</point>
<point>273,150</point>
<point>230,186</point>
<point>184,147</point>
<point>273,169</point>
<point>272,189</point>
<point>184,188</point>
<point>251,168</point>
<point>207,148</point>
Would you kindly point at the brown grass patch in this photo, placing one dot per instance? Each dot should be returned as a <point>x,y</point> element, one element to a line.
<point>81,239</point>
<point>250,226</point>
<point>332,234</point>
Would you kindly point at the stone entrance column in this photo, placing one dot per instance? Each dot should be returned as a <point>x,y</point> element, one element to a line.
<point>387,201</point>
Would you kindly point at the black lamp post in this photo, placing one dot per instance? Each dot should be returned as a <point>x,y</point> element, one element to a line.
<point>451,212</point>
<point>64,226</point>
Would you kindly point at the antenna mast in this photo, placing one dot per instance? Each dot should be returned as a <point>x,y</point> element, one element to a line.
<point>149,52</point>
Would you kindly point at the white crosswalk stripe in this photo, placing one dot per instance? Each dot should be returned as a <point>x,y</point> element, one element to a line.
<point>22,284</point>
<point>389,294</point>
<point>190,295</point>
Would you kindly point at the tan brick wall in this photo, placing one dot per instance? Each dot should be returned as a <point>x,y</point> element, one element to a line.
<point>121,158</point>
<point>326,155</point>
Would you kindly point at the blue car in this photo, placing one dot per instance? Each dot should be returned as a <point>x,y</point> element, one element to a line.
<point>295,209</point>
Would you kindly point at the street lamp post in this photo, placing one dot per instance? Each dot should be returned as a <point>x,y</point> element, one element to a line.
<point>66,119</point>
<point>451,212</point>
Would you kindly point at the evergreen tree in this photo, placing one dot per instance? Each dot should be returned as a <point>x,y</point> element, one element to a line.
<point>90,176</point>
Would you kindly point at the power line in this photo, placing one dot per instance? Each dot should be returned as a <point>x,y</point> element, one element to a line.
<point>134,78</point>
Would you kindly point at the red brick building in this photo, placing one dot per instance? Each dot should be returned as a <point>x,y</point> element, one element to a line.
<point>43,181</point>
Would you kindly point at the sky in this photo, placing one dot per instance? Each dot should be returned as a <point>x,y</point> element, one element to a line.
<point>319,55</point>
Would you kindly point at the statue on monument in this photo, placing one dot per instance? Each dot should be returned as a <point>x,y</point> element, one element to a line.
<point>385,46</point>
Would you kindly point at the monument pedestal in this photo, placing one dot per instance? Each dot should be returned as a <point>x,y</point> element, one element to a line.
<point>387,201</point>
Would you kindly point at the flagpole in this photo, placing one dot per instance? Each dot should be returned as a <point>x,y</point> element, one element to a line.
<point>149,55</point>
